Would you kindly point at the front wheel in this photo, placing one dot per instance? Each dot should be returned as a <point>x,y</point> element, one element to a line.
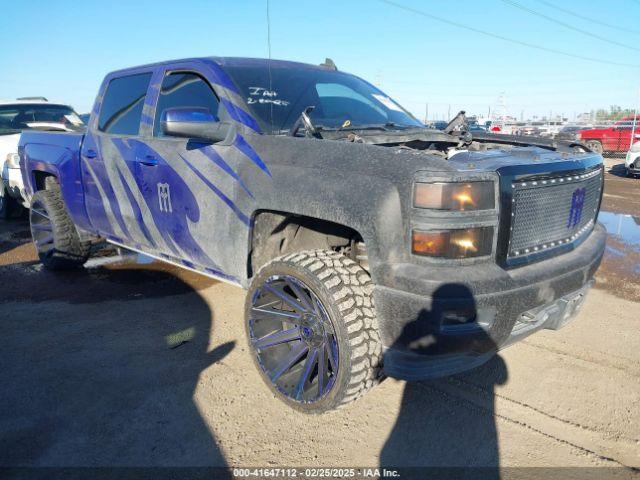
<point>595,146</point>
<point>312,329</point>
<point>54,234</point>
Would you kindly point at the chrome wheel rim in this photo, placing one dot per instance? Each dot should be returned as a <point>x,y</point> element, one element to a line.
<point>41,229</point>
<point>293,339</point>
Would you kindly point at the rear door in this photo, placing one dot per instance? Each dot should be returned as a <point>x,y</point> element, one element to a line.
<point>624,135</point>
<point>610,138</point>
<point>111,162</point>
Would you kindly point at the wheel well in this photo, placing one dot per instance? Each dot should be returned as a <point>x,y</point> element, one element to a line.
<point>40,181</point>
<point>277,233</point>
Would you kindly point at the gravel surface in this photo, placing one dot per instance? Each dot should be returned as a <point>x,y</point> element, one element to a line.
<point>135,364</point>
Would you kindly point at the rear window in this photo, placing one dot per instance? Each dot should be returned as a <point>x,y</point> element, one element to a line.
<point>122,104</point>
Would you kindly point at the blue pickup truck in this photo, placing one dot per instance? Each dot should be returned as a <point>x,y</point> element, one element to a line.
<point>369,244</point>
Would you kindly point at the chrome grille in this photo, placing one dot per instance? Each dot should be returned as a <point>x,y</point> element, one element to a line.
<point>548,212</point>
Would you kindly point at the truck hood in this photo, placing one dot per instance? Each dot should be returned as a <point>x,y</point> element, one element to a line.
<point>493,160</point>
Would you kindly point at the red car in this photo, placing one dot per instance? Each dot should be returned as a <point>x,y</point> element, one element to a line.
<point>615,138</point>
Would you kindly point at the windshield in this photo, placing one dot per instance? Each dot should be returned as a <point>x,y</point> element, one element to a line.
<point>17,117</point>
<point>340,100</point>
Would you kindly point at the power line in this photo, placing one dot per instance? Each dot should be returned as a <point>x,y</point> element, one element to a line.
<point>566,25</point>
<point>588,19</point>
<point>506,39</point>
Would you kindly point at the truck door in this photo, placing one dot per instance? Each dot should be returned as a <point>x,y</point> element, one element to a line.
<point>610,137</point>
<point>624,137</point>
<point>108,164</point>
<point>187,179</point>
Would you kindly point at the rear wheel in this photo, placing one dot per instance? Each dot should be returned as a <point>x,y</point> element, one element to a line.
<point>312,330</point>
<point>595,145</point>
<point>54,234</point>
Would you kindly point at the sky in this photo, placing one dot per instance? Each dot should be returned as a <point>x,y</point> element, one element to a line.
<point>62,49</point>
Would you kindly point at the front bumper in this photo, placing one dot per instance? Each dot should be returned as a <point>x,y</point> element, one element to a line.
<point>440,321</point>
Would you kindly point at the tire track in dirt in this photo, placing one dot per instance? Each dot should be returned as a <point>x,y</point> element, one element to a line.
<point>602,360</point>
<point>460,396</point>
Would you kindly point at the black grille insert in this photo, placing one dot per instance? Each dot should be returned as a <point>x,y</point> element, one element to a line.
<point>548,212</point>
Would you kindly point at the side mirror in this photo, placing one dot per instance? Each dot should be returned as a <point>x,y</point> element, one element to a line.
<point>193,122</point>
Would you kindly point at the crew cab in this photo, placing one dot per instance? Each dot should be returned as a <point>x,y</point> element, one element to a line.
<point>615,138</point>
<point>369,244</point>
<point>27,113</point>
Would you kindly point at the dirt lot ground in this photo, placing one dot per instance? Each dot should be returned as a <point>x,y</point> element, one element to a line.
<point>145,365</point>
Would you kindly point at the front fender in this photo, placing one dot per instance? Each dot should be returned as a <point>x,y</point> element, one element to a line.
<point>364,187</point>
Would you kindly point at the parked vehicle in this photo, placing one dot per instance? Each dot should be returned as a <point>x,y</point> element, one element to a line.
<point>616,138</point>
<point>368,243</point>
<point>569,133</point>
<point>439,125</point>
<point>29,113</point>
<point>528,130</point>
<point>632,162</point>
<point>475,127</point>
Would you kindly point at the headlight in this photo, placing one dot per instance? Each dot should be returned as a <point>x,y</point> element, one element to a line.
<point>13,160</point>
<point>454,196</point>
<point>458,243</point>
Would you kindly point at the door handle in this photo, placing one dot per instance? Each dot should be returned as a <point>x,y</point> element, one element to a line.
<point>148,160</point>
<point>90,153</point>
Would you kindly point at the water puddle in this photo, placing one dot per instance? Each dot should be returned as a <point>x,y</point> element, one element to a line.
<point>620,270</point>
<point>622,226</point>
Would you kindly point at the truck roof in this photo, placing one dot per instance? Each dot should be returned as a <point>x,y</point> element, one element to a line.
<point>27,101</point>
<point>232,62</point>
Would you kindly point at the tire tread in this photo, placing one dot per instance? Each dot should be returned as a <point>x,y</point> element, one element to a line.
<point>68,251</point>
<point>351,290</point>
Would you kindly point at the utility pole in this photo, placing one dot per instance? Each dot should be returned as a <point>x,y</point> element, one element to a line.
<point>426,113</point>
<point>449,113</point>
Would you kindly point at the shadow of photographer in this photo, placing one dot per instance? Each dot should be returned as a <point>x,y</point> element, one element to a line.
<point>447,424</point>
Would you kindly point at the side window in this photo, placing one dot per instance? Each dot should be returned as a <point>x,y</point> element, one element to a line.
<point>122,105</point>
<point>184,90</point>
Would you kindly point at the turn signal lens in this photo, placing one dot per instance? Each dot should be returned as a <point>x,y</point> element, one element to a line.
<point>462,243</point>
<point>454,196</point>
